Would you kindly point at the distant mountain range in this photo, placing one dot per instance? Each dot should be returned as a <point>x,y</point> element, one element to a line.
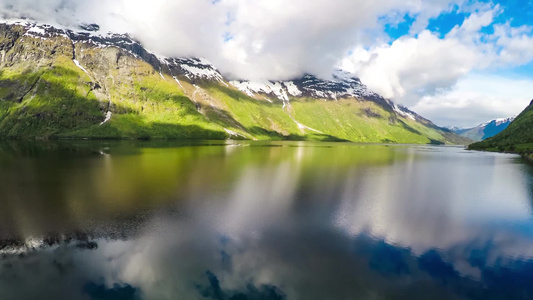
<point>62,83</point>
<point>517,137</point>
<point>485,130</point>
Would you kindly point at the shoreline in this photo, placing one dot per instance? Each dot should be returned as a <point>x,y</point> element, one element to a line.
<point>162,139</point>
<point>527,156</point>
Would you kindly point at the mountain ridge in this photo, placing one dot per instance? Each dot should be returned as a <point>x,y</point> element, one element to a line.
<point>484,130</point>
<point>516,138</point>
<point>134,100</point>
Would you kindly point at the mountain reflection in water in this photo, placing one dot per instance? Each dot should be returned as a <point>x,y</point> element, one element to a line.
<point>262,220</point>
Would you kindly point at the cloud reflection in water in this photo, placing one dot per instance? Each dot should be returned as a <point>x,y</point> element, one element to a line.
<point>294,221</point>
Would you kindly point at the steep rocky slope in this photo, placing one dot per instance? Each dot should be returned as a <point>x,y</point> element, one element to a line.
<point>57,83</point>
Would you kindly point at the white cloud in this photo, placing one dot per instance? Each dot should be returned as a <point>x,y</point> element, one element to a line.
<point>433,75</point>
<point>515,44</point>
<point>412,67</point>
<point>280,39</point>
<point>477,21</point>
<point>270,39</point>
<point>477,98</point>
<point>432,9</point>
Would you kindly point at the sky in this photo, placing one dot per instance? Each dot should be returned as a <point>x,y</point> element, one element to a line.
<point>455,62</point>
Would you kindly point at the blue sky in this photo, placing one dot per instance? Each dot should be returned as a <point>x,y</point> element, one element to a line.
<point>514,12</point>
<point>517,12</point>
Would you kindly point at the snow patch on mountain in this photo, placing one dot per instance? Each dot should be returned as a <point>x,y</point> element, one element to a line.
<point>251,88</point>
<point>498,122</point>
<point>194,69</point>
<point>292,88</point>
<point>342,85</point>
<point>37,30</point>
<point>402,112</point>
<point>243,87</point>
<point>77,63</point>
<point>19,22</point>
<point>484,130</point>
<point>199,72</point>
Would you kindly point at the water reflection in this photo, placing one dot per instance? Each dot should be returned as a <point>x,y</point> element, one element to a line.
<point>243,220</point>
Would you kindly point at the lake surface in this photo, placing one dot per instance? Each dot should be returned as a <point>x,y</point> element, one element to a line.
<point>248,220</point>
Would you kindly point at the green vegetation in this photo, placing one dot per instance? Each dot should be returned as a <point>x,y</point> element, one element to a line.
<point>143,175</point>
<point>316,119</point>
<point>42,103</point>
<point>113,95</point>
<point>254,119</point>
<point>517,138</point>
<point>60,101</point>
<point>362,121</point>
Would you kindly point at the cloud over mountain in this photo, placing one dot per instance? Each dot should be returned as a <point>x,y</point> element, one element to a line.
<point>246,39</point>
<point>279,40</point>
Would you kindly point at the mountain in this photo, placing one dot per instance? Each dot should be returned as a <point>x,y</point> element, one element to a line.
<point>517,137</point>
<point>60,83</point>
<point>485,130</point>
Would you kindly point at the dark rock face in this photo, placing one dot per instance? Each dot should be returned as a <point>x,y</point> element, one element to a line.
<point>8,37</point>
<point>90,27</point>
<point>370,113</point>
<point>194,69</point>
<point>339,87</point>
<point>122,41</point>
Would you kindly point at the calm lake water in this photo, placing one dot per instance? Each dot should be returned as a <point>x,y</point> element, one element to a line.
<point>247,220</point>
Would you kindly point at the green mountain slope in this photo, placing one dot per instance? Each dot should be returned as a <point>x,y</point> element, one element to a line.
<point>55,86</point>
<point>517,137</point>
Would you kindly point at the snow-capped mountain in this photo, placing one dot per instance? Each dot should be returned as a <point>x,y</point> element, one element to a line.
<point>121,77</point>
<point>485,130</point>
<point>342,85</point>
<point>517,137</point>
<point>191,68</point>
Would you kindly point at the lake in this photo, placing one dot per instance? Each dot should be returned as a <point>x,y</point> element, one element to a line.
<point>243,220</point>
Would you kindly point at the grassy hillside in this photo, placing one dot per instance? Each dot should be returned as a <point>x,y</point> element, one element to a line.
<point>54,88</point>
<point>518,137</point>
<point>60,101</point>
<point>315,119</point>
